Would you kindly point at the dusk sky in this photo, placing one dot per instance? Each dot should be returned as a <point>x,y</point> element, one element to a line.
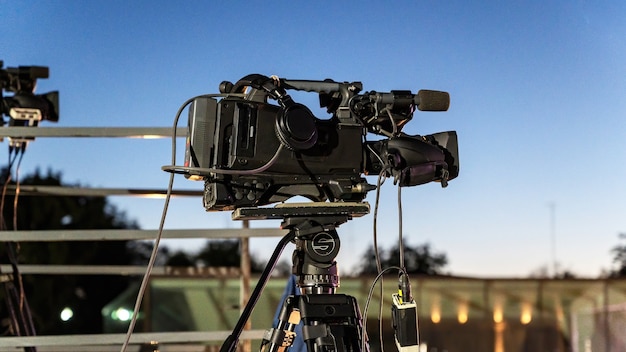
<point>538,99</point>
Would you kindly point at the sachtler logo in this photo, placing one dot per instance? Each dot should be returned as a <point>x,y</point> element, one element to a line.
<point>323,244</point>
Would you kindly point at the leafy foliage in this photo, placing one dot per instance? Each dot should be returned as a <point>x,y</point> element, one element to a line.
<point>619,258</point>
<point>85,295</point>
<point>225,253</point>
<point>420,259</point>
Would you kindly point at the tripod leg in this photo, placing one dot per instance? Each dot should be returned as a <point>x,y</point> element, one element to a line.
<point>230,344</point>
<point>280,338</point>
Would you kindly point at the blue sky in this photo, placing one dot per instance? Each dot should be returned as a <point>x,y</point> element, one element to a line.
<point>537,99</point>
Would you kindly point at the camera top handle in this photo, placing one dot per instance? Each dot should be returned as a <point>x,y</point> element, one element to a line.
<point>425,100</point>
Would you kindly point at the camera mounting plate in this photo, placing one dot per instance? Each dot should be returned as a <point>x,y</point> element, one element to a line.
<point>306,209</point>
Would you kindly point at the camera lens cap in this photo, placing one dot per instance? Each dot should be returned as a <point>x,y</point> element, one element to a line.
<point>296,127</point>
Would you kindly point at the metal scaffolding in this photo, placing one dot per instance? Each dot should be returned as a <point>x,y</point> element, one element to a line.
<point>168,341</point>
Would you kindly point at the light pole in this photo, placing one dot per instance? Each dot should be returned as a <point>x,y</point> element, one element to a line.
<point>552,206</point>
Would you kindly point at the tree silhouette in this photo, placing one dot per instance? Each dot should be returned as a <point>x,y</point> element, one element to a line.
<point>619,257</point>
<point>84,295</point>
<point>225,253</point>
<point>418,259</point>
<point>180,259</point>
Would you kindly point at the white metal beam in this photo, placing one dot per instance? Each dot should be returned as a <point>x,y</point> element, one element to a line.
<point>124,270</point>
<point>107,132</point>
<point>118,339</point>
<point>30,190</point>
<point>122,235</point>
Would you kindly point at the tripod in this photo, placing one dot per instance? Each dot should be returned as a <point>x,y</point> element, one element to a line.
<point>331,321</point>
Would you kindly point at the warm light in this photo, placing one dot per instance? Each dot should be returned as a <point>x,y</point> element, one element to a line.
<point>67,313</point>
<point>526,315</point>
<point>497,314</point>
<point>498,308</point>
<point>462,318</point>
<point>462,314</point>
<point>498,342</point>
<point>435,316</point>
<point>435,310</point>
<point>152,196</point>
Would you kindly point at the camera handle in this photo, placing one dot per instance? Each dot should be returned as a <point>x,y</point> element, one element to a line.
<point>312,227</point>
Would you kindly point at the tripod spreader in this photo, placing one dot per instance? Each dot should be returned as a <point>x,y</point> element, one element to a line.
<point>331,322</point>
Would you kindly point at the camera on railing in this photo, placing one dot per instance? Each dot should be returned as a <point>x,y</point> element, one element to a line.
<point>250,152</point>
<point>25,108</point>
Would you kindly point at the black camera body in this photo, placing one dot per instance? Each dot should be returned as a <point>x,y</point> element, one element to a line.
<point>24,105</point>
<point>250,152</point>
<point>25,108</point>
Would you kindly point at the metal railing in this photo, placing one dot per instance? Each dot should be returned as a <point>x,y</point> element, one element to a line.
<point>168,341</point>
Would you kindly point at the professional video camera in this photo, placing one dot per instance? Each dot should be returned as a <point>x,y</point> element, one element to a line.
<point>252,153</point>
<point>25,108</point>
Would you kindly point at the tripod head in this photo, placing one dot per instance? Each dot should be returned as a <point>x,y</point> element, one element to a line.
<point>331,321</point>
<point>305,222</point>
<point>313,226</point>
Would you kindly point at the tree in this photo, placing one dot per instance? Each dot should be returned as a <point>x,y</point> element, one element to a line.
<point>543,272</point>
<point>619,257</point>
<point>83,295</point>
<point>180,259</point>
<point>225,253</point>
<point>417,260</point>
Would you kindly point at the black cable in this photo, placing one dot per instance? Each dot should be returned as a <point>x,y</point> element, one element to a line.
<point>367,303</point>
<point>379,183</point>
<point>21,316</point>
<point>13,328</point>
<point>21,151</point>
<point>322,191</point>
<point>402,268</point>
<point>206,171</point>
<point>8,286</point>
<point>25,315</point>
<point>23,303</point>
<point>400,240</point>
<point>11,297</point>
<point>153,255</point>
<point>6,184</point>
